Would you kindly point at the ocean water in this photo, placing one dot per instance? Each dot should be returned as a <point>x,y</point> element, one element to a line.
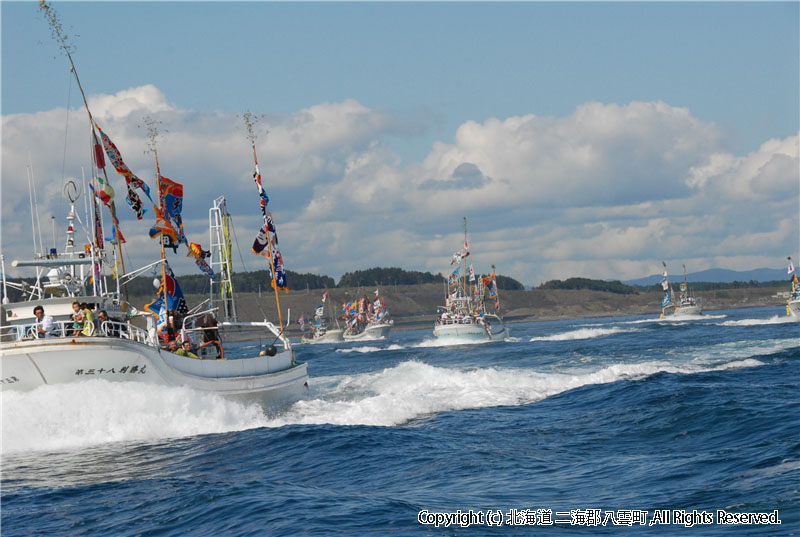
<point>569,427</point>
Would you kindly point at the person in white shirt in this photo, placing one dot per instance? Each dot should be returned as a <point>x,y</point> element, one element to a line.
<point>45,325</point>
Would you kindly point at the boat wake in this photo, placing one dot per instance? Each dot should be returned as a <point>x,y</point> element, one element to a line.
<point>776,319</point>
<point>63,417</point>
<point>413,390</point>
<point>583,333</point>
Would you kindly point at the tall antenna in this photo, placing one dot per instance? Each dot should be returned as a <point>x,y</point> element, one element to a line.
<point>63,41</point>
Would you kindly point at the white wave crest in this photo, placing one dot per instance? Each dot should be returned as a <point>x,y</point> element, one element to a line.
<point>583,333</point>
<point>71,416</point>
<point>414,389</point>
<point>368,348</point>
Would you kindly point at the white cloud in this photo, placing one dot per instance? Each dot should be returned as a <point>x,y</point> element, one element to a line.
<point>606,192</point>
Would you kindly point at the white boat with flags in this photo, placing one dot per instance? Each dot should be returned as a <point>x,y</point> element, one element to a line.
<point>686,305</point>
<point>319,332</point>
<point>366,318</point>
<point>464,317</point>
<point>74,327</point>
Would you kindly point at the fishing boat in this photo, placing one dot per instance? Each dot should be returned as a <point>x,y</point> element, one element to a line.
<point>366,319</point>
<point>464,317</point>
<point>319,331</point>
<point>793,303</point>
<point>685,306</point>
<point>46,339</point>
<point>48,348</point>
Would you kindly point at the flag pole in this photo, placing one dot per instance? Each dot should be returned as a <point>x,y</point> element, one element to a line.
<point>257,177</point>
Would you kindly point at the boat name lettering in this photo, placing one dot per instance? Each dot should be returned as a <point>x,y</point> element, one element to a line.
<point>9,380</point>
<point>125,369</point>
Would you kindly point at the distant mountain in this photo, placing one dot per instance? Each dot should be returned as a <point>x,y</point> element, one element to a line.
<point>718,275</point>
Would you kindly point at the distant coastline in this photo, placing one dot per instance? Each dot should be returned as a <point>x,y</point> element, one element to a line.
<point>414,306</point>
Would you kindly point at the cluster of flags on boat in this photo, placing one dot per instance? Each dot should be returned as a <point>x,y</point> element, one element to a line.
<point>363,309</point>
<point>169,223</point>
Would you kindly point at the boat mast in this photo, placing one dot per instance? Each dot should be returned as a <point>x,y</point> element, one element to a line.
<point>249,121</point>
<point>467,302</point>
<point>58,35</point>
<point>152,136</point>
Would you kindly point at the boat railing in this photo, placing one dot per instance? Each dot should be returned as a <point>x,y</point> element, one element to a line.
<point>124,331</point>
<point>66,329</point>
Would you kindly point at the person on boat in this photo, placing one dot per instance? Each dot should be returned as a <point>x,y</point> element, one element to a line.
<point>45,325</point>
<point>111,329</point>
<point>77,319</point>
<point>185,350</point>
<point>172,345</point>
<point>88,320</point>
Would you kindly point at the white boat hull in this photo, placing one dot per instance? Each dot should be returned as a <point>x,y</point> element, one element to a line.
<point>376,331</point>
<point>331,336</point>
<point>470,332</point>
<point>29,364</point>
<point>683,311</point>
<point>793,309</point>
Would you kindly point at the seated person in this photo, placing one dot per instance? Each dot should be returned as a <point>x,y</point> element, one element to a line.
<point>89,321</point>
<point>77,319</point>
<point>172,346</point>
<point>111,329</point>
<point>185,349</point>
<point>45,325</point>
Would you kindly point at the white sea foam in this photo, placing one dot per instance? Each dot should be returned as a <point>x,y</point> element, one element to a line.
<point>368,348</point>
<point>583,333</point>
<point>414,389</point>
<point>776,319</point>
<point>449,342</point>
<point>71,416</point>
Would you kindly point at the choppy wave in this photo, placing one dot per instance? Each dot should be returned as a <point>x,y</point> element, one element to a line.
<point>583,333</point>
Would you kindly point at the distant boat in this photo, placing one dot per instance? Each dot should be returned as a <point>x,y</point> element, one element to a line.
<point>366,318</point>
<point>320,333</point>
<point>793,304</point>
<point>464,316</point>
<point>686,305</point>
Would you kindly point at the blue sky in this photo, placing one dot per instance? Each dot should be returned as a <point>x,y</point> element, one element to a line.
<point>598,137</point>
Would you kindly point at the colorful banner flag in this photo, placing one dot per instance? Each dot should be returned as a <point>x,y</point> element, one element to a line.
<point>302,323</point>
<point>200,255</point>
<point>131,180</point>
<point>666,300</point>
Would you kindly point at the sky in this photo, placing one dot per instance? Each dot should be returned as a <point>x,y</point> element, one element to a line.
<point>579,139</point>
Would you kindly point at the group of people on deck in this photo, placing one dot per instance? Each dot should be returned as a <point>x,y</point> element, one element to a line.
<point>84,323</point>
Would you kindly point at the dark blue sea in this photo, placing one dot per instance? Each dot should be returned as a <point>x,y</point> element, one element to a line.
<point>624,426</point>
